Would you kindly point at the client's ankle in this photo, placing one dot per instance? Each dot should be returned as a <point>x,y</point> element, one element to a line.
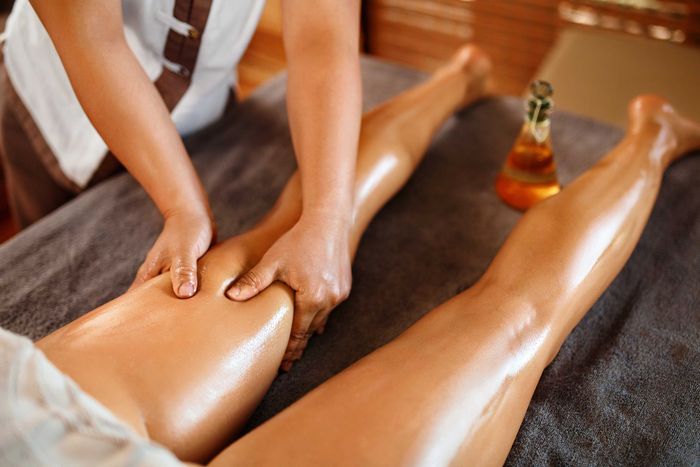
<point>653,116</point>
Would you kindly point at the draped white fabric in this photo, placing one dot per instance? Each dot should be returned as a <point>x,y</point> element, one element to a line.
<point>36,72</point>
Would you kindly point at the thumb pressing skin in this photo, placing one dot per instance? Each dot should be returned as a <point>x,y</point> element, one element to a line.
<point>252,282</point>
<point>183,274</point>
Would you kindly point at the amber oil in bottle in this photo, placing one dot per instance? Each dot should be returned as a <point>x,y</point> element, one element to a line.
<point>529,174</point>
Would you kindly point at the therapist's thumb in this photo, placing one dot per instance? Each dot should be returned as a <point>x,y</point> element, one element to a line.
<point>252,282</point>
<point>183,273</point>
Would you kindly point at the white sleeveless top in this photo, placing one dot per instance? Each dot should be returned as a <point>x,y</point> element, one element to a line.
<point>36,73</point>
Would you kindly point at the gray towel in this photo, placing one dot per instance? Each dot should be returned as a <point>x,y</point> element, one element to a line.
<point>624,388</point>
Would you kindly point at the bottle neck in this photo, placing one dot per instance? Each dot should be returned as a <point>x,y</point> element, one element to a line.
<point>536,131</point>
<point>537,118</point>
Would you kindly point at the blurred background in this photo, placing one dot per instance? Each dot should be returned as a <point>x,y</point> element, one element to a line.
<point>597,53</point>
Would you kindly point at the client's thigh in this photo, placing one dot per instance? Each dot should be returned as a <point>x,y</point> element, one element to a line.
<point>186,373</point>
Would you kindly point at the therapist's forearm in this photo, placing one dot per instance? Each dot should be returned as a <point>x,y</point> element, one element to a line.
<point>134,122</point>
<point>324,104</point>
<point>121,102</point>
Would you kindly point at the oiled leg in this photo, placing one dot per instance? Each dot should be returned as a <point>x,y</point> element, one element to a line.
<point>454,388</point>
<point>187,373</point>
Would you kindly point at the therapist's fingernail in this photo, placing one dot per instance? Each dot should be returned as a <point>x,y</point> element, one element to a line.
<point>234,292</point>
<point>186,290</point>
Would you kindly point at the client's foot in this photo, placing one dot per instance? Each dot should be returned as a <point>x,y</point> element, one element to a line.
<point>651,113</point>
<point>476,67</point>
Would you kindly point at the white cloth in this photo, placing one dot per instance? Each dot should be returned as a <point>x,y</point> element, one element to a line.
<point>47,420</point>
<point>36,73</point>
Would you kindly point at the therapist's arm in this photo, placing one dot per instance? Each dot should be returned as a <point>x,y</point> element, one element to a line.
<point>324,102</point>
<point>127,111</point>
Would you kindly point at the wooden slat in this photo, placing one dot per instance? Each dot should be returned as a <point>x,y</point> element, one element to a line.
<point>452,11</point>
<point>516,28</point>
<point>432,44</point>
<point>457,26</point>
<point>517,34</point>
<point>531,12</point>
<point>531,49</point>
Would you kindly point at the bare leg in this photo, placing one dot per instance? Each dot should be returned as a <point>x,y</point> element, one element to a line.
<point>187,373</point>
<point>454,388</point>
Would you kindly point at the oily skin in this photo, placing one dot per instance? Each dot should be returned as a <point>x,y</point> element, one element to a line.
<point>187,373</point>
<point>454,388</point>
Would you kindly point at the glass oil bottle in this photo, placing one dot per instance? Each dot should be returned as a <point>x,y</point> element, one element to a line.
<point>529,174</point>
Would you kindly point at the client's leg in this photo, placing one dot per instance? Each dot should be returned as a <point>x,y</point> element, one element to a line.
<point>454,388</point>
<point>187,373</point>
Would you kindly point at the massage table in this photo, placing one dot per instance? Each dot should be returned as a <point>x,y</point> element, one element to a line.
<point>625,387</point>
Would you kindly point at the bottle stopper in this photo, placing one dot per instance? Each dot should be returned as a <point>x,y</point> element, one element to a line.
<point>539,106</point>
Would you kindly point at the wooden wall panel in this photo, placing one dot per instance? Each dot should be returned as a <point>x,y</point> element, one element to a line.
<point>419,33</point>
<point>516,33</point>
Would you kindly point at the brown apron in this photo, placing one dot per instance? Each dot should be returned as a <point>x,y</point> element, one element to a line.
<point>35,183</point>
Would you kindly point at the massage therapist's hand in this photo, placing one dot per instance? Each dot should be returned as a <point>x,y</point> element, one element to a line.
<point>324,104</point>
<point>127,111</point>
<point>313,259</point>
<point>186,236</point>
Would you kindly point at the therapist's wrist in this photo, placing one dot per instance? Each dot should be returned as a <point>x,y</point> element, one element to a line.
<point>183,198</point>
<point>196,211</point>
